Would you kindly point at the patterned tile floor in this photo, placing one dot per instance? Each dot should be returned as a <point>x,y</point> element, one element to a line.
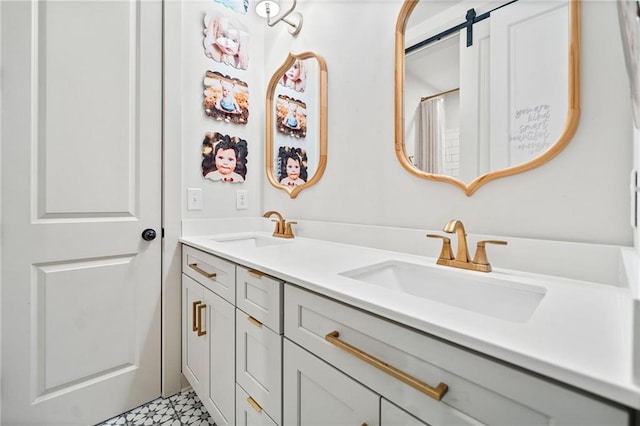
<point>184,408</point>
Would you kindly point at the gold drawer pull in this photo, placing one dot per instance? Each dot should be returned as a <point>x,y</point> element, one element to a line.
<point>255,273</point>
<point>201,271</point>
<point>254,321</point>
<point>201,332</point>
<point>252,402</point>
<point>436,393</point>
<point>194,306</point>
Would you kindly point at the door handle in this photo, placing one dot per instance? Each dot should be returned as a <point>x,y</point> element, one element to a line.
<point>434,392</point>
<point>201,271</point>
<point>148,234</point>
<point>200,308</point>
<point>254,404</point>
<point>194,323</point>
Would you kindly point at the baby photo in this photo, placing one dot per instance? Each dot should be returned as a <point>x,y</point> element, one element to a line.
<point>296,77</point>
<point>224,158</point>
<point>226,99</point>
<point>226,40</point>
<point>291,117</point>
<point>292,166</point>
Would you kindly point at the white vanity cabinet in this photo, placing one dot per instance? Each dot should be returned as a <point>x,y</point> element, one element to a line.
<point>479,390</point>
<point>208,338</point>
<point>259,351</point>
<point>259,341</point>
<point>232,339</point>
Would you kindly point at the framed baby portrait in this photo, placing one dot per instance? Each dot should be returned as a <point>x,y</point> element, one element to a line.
<point>291,116</point>
<point>224,158</point>
<point>226,40</point>
<point>296,76</point>
<point>226,98</point>
<point>296,123</point>
<point>291,166</point>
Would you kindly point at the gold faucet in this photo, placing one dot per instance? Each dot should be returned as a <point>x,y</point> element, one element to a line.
<point>462,253</point>
<point>283,228</point>
<point>462,258</point>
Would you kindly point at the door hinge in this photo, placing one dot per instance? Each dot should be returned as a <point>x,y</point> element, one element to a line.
<point>634,189</point>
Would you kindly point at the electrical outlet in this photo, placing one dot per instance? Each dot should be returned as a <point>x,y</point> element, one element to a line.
<point>242,199</point>
<point>194,199</point>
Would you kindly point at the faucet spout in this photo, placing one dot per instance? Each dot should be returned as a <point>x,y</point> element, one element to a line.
<point>272,213</point>
<point>462,252</point>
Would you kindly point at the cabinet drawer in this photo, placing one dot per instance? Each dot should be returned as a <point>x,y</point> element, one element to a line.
<point>479,389</point>
<point>260,296</point>
<point>315,393</point>
<point>216,274</point>
<point>259,363</point>
<point>248,413</point>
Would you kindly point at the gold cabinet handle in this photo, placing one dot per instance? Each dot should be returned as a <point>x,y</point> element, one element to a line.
<point>201,271</point>
<point>200,308</point>
<point>254,321</point>
<point>436,393</point>
<point>194,325</point>
<point>252,402</point>
<point>255,273</point>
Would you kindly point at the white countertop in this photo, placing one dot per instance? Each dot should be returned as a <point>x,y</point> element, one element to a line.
<point>579,334</point>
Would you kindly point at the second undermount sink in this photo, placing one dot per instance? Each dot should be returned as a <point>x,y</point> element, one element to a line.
<point>473,291</point>
<point>252,241</point>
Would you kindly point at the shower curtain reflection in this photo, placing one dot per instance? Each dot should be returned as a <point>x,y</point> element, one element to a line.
<point>437,134</point>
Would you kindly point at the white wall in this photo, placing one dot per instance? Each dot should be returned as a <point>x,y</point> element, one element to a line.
<point>581,195</point>
<point>219,199</point>
<point>185,123</point>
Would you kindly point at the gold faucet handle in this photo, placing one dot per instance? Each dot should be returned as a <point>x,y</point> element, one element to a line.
<point>480,257</point>
<point>446,252</point>
<point>288,232</point>
<point>278,228</point>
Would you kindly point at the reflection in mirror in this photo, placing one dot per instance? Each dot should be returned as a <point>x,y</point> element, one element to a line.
<point>485,89</point>
<point>296,123</point>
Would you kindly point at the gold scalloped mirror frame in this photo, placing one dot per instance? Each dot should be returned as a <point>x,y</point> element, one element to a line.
<point>322,134</point>
<point>571,123</point>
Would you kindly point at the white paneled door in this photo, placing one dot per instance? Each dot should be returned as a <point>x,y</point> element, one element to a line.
<point>81,181</point>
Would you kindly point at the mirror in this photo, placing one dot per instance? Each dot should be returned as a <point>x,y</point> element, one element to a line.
<point>296,123</point>
<point>485,89</point>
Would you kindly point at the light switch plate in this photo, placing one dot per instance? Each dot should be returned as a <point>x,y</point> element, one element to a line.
<point>194,198</point>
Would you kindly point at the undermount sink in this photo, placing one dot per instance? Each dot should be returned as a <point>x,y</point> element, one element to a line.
<point>473,291</point>
<point>252,241</point>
